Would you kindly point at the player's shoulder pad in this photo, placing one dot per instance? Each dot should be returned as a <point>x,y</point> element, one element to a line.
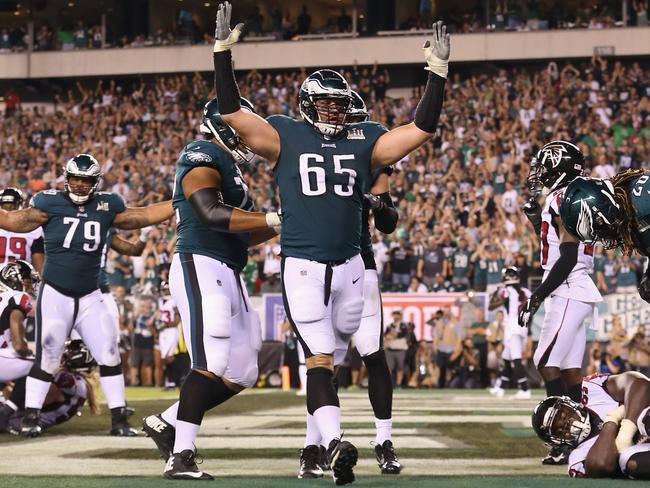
<point>370,129</point>
<point>281,122</point>
<point>19,300</point>
<point>109,201</point>
<point>203,153</point>
<point>44,198</point>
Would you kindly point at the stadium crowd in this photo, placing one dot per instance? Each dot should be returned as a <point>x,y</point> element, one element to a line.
<point>458,196</point>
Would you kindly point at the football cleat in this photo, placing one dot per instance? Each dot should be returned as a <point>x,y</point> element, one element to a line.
<point>387,459</point>
<point>497,391</point>
<point>522,395</point>
<point>30,424</point>
<point>556,456</point>
<point>182,466</point>
<point>5,413</point>
<point>324,463</point>
<point>342,457</point>
<point>120,427</point>
<point>310,463</point>
<point>161,432</point>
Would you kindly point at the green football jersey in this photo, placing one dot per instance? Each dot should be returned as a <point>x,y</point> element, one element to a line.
<point>321,184</point>
<point>74,238</point>
<point>195,237</point>
<point>639,192</point>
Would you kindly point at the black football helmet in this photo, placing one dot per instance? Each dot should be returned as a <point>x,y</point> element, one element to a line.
<point>77,357</point>
<point>12,199</point>
<point>590,213</point>
<point>510,275</point>
<point>358,111</point>
<point>19,275</point>
<point>328,85</point>
<point>86,167</point>
<point>559,421</point>
<point>555,166</point>
<point>213,125</point>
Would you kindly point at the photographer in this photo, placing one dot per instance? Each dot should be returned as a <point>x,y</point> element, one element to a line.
<point>396,345</point>
<point>464,362</point>
<point>639,352</point>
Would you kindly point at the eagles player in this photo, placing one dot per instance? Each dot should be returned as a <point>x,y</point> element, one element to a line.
<point>613,213</point>
<point>601,429</point>
<point>322,167</point>
<point>567,290</point>
<point>511,297</point>
<point>369,337</point>
<point>215,225</point>
<point>75,224</point>
<point>27,246</point>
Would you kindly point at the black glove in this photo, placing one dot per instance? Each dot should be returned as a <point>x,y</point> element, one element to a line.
<point>533,212</point>
<point>374,201</point>
<point>644,287</point>
<point>527,311</point>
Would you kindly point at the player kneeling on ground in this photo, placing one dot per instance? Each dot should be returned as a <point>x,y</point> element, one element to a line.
<point>605,430</point>
<point>69,391</point>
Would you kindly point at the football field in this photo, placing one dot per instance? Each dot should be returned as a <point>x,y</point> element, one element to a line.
<point>462,438</point>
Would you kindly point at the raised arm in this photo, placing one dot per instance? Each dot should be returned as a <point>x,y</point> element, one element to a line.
<point>397,143</point>
<point>258,134</point>
<point>25,220</point>
<point>139,217</point>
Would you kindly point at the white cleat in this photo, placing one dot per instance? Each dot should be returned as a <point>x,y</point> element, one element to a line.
<point>497,391</point>
<point>522,395</point>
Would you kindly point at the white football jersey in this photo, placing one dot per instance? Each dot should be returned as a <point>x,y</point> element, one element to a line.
<point>514,299</point>
<point>16,245</point>
<point>578,285</point>
<point>75,391</point>
<point>167,307</point>
<point>10,300</point>
<point>596,399</point>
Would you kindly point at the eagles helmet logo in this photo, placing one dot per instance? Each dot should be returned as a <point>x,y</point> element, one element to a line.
<point>585,225</point>
<point>198,157</point>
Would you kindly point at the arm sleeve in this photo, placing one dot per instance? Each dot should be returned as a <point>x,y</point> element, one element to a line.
<point>208,205</point>
<point>225,83</point>
<point>559,272</point>
<point>428,110</point>
<point>38,246</point>
<point>386,216</point>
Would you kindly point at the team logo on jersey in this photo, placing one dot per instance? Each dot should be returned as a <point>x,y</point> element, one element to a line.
<point>82,209</point>
<point>102,207</point>
<point>198,157</point>
<point>356,134</point>
<point>322,145</point>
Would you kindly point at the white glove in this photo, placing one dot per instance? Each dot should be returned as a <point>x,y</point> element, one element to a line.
<point>273,219</point>
<point>626,433</point>
<point>224,38</point>
<point>436,54</point>
<point>144,233</point>
<point>616,415</point>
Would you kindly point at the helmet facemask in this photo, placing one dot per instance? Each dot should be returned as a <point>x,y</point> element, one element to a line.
<point>228,139</point>
<point>324,101</point>
<point>566,423</point>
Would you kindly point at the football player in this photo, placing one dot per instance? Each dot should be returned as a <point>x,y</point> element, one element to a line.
<point>613,213</point>
<point>168,320</point>
<point>511,297</point>
<point>215,226</point>
<point>69,391</point>
<point>27,246</point>
<point>567,290</point>
<point>601,429</point>
<point>17,282</point>
<point>75,223</point>
<point>369,337</point>
<point>322,167</point>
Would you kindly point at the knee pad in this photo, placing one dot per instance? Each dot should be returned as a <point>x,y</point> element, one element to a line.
<point>246,376</point>
<point>217,316</point>
<point>307,304</point>
<point>348,316</point>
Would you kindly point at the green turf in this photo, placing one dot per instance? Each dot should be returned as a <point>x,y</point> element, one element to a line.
<point>373,481</point>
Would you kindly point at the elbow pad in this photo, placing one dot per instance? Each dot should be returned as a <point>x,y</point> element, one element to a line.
<point>560,270</point>
<point>386,215</point>
<point>428,110</point>
<point>208,205</point>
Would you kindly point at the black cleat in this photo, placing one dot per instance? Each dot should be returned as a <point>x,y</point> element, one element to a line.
<point>30,424</point>
<point>342,457</point>
<point>310,463</point>
<point>162,433</point>
<point>182,466</point>
<point>324,463</point>
<point>387,459</point>
<point>5,414</point>
<point>120,427</point>
<point>557,455</point>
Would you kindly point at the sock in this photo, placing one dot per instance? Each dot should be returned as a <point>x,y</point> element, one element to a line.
<point>113,387</point>
<point>186,433</point>
<point>170,414</point>
<point>17,397</point>
<point>312,437</point>
<point>520,374</point>
<point>11,405</point>
<point>302,373</point>
<point>384,430</point>
<point>556,387</point>
<point>328,419</point>
<point>35,392</point>
<point>380,385</point>
<point>506,374</point>
<point>575,392</point>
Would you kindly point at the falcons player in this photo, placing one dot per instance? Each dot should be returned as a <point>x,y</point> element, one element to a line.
<point>167,324</point>
<point>511,297</point>
<point>568,292</point>
<point>601,430</point>
<point>27,246</point>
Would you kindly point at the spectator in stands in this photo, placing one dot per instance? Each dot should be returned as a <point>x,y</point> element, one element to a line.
<point>303,21</point>
<point>400,265</point>
<point>447,339</point>
<point>479,332</point>
<point>80,36</point>
<point>396,345</point>
<point>344,21</point>
<point>144,332</point>
<point>431,263</point>
<point>606,269</point>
